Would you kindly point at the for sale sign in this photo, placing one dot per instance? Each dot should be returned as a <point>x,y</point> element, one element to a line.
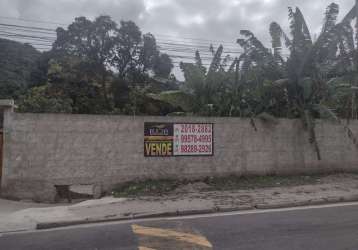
<point>178,139</point>
<point>158,139</point>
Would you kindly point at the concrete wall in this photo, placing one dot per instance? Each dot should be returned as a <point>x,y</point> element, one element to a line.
<point>43,150</point>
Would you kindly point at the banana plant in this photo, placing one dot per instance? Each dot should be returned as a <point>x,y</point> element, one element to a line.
<point>206,91</point>
<point>309,66</point>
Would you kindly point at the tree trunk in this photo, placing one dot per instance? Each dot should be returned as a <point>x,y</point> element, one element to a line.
<point>104,90</point>
<point>310,124</point>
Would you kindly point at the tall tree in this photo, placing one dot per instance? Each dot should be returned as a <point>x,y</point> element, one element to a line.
<point>163,66</point>
<point>138,55</point>
<point>128,50</point>
<point>71,78</point>
<point>93,42</point>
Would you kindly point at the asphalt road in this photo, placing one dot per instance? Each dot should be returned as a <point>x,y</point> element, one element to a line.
<point>320,228</point>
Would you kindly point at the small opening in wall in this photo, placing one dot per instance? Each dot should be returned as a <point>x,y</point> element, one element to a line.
<point>74,193</point>
<point>63,193</point>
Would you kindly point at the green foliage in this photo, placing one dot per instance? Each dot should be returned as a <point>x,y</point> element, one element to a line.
<point>17,62</point>
<point>147,187</point>
<point>92,42</point>
<point>71,78</point>
<point>163,66</point>
<point>97,65</point>
<point>38,100</point>
<point>142,102</point>
<point>100,66</point>
<point>261,83</point>
<point>177,99</point>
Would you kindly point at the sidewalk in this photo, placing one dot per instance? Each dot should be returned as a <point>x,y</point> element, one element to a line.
<point>7,206</point>
<point>184,201</point>
<point>8,219</point>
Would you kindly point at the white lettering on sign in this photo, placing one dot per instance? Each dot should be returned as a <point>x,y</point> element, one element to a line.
<point>193,139</point>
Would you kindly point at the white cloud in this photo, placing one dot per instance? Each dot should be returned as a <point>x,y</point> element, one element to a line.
<point>207,19</point>
<point>186,21</point>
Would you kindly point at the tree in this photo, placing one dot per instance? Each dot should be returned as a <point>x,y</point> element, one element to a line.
<point>137,55</point>
<point>94,43</point>
<point>149,53</point>
<point>163,66</point>
<point>71,78</point>
<point>128,51</point>
<point>96,63</point>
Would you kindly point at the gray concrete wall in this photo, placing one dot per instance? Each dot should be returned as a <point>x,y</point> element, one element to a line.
<point>43,150</point>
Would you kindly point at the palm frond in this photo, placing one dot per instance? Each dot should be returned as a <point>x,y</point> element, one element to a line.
<point>330,18</point>
<point>299,29</point>
<point>215,63</point>
<point>276,34</point>
<point>350,15</point>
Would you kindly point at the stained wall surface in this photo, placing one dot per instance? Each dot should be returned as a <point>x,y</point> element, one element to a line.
<point>44,150</point>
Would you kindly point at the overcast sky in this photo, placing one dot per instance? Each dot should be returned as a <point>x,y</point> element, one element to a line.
<point>206,19</point>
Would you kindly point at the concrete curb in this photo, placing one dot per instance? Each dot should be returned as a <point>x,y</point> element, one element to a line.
<point>49,225</point>
<point>321,201</point>
<point>114,218</point>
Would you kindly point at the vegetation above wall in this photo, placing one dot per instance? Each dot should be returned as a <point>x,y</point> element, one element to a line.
<point>101,67</point>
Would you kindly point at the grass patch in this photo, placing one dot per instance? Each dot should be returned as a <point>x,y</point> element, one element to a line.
<point>146,188</point>
<point>165,186</point>
<point>241,182</point>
